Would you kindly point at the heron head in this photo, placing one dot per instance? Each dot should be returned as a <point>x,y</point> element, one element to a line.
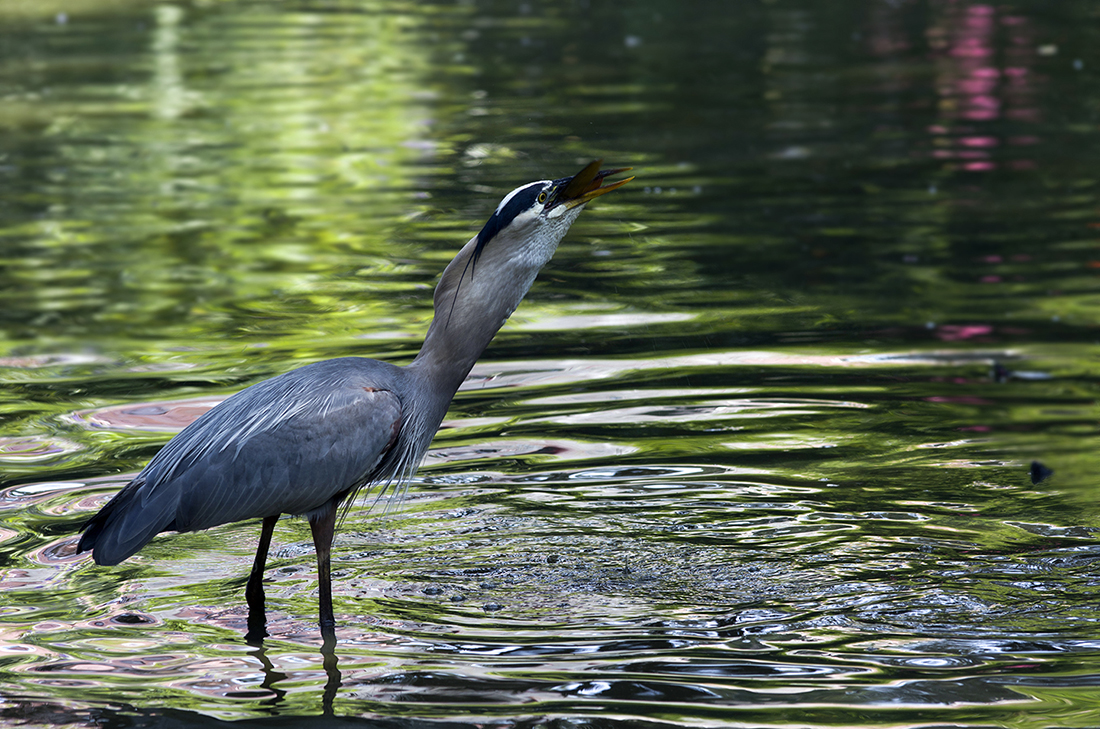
<point>543,211</point>
<point>519,238</point>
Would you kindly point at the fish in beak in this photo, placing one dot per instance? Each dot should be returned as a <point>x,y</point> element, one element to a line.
<point>587,185</point>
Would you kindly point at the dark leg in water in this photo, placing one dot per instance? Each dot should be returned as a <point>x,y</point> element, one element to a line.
<point>254,591</point>
<point>323,526</point>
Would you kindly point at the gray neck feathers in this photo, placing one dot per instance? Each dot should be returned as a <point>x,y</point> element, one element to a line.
<point>475,298</point>
<point>472,302</point>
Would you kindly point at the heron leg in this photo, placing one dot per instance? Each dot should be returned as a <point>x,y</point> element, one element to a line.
<point>254,590</point>
<point>323,526</point>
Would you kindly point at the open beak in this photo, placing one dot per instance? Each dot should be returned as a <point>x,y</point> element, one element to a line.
<point>588,184</point>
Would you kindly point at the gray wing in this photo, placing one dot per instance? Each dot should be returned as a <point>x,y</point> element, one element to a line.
<point>285,445</point>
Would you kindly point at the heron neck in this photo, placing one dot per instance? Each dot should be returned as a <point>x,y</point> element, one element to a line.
<point>472,302</point>
<point>452,347</point>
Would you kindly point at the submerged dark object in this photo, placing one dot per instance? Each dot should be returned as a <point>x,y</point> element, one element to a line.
<point>1039,472</point>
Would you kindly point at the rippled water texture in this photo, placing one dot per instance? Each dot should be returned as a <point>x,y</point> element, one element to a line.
<point>798,429</point>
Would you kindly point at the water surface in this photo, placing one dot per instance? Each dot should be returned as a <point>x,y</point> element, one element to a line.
<point>797,429</point>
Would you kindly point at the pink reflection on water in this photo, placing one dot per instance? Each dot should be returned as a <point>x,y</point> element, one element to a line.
<point>957,333</point>
<point>169,415</point>
<point>60,497</point>
<point>959,399</point>
<point>34,448</point>
<point>558,448</point>
<point>983,56</point>
<point>57,553</point>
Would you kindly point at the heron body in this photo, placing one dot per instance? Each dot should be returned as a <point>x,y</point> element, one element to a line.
<point>285,445</point>
<point>304,442</point>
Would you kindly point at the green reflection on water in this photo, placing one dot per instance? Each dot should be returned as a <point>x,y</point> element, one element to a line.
<point>239,174</point>
<point>755,448</point>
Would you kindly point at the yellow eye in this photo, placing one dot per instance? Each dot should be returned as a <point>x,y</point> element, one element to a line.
<point>542,197</point>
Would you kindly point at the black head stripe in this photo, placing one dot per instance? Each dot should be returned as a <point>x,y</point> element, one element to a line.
<point>521,199</point>
<point>500,219</point>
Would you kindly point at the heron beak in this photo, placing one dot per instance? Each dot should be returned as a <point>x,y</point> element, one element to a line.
<point>588,184</point>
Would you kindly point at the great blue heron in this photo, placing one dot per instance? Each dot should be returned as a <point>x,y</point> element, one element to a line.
<point>305,441</point>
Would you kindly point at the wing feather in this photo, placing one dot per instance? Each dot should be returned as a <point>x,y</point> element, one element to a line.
<point>284,445</point>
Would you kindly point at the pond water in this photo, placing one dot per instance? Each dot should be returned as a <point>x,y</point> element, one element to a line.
<point>798,429</point>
